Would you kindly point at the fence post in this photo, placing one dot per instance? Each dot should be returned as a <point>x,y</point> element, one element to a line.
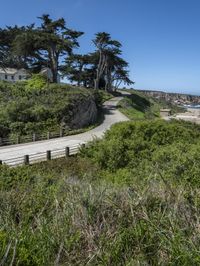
<point>83,145</point>
<point>61,132</point>
<point>18,139</point>
<point>67,152</point>
<point>26,159</point>
<point>1,162</point>
<point>48,155</point>
<point>34,137</point>
<point>1,141</point>
<point>48,135</point>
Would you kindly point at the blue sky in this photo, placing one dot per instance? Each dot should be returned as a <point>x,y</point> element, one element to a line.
<point>161,38</point>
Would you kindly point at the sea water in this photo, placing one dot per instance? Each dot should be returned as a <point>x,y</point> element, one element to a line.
<point>192,106</point>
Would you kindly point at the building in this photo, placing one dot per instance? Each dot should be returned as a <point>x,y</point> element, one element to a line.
<point>13,74</point>
<point>165,112</point>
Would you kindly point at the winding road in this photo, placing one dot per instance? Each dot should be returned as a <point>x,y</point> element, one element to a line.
<point>111,116</point>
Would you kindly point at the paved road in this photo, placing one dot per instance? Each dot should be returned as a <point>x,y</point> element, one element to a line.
<point>112,116</point>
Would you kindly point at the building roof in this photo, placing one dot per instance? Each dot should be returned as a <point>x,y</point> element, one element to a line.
<point>165,110</point>
<point>11,71</point>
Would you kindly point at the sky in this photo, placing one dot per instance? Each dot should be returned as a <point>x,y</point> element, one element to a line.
<point>160,38</point>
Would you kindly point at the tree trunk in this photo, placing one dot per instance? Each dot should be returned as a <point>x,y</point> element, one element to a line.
<point>55,74</point>
<point>108,86</point>
<point>80,74</point>
<point>96,84</point>
<point>53,56</point>
<point>100,69</point>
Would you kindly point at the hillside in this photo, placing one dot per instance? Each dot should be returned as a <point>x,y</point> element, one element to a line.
<point>132,197</point>
<point>140,105</point>
<point>24,111</point>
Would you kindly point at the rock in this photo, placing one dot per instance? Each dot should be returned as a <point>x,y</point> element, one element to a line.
<point>83,112</point>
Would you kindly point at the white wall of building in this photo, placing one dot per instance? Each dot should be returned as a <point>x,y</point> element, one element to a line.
<point>13,75</point>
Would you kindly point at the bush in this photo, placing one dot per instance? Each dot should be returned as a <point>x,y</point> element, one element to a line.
<point>4,131</point>
<point>144,147</point>
<point>31,106</point>
<point>130,198</point>
<point>55,213</point>
<point>36,82</point>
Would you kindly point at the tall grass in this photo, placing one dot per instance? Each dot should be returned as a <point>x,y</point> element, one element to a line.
<point>78,220</point>
<point>132,198</point>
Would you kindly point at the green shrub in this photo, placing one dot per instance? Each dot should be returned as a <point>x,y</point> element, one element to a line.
<point>4,131</point>
<point>26,108</point>
<point>36,82</point>
<point>55,213</point>
<point>131,198</point>
<point>145,147</point>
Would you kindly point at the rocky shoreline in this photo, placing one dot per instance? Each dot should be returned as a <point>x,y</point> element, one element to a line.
<point>176,98</point>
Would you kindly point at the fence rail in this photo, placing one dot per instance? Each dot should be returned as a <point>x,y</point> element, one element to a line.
<point>43,156</point>
<point>37,137</point>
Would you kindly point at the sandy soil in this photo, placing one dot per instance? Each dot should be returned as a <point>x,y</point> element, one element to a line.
<point>192,115</point>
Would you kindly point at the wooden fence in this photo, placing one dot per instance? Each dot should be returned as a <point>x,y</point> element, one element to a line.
<point>43,156</point>
<point>37,137</point>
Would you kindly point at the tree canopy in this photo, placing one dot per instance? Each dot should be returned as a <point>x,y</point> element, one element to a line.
<point>52,44</point>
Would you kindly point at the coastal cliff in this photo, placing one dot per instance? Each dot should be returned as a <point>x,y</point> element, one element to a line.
<point>177,98</point>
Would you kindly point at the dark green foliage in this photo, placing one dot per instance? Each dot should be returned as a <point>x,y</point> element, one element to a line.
<point>4,130</point>
<point>56,211</point>
<point>51,45</point>
<point>109,66</point>
<point>34,47</point>
<point>157,147</point>
<point>137,205</point>
<point>25,108</point>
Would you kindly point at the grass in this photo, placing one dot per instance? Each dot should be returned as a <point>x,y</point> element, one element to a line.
<point>138,106</point>
<point>62,214</point>
<point>132,113</point>
<point>105,96</point>
<point>129,199</point>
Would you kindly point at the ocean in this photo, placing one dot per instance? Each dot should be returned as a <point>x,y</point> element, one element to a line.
<point>192,106</point>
